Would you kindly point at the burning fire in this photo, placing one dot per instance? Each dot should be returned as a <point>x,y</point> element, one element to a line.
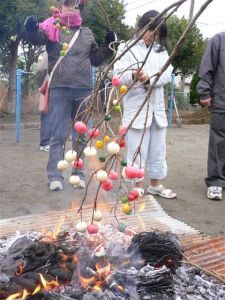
<point>44,285</point>
<point>103,270</point>
<point>97,278</point>
<point>141,221</point>
<point>50,236</point>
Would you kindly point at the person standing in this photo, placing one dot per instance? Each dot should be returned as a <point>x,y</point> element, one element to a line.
<point>211,88</point>
<point>130,70</point>
<point>45,127</point>
<point>71,83</point>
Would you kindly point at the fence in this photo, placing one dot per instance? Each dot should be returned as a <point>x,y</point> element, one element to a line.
<point>29,102</point>
<point>182,101</point>
<point>3,96</point>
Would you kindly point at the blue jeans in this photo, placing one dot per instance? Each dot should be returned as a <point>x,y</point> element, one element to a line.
<point>62,108</point>
<point>45,130</point>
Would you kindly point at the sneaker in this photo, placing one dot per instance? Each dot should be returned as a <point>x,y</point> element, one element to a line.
<point>81,185</point>
<point>56,185</point>
<point>45,148</point>
<point>161,191</point>
<point>214,193</point>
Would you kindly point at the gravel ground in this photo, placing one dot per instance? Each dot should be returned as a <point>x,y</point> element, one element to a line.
<point>24,190</point>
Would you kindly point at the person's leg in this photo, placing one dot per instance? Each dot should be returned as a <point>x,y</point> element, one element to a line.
<point>78,114</point>
<point>59,110</point>
<point>133,140</point>
<point>157,166</point>
<point>45,130</point>
<point>216,155</point>
<point>156,161</point>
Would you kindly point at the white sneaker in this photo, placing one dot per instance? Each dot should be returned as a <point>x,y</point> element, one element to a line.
<point>56,185</point>
<point>81,185</point>
<point>215,193</point>
<point>161,191</point>
<point>45,148</point>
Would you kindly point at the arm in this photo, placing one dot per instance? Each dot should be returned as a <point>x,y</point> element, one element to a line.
<point>122,67</point>
<point>99,55</point>
<point>36,38</point>
<point>208,68</point>
<point>166,75</point>
<point>33,33</point>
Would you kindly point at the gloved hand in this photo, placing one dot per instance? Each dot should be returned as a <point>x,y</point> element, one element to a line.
<point>31,23</point>
<point>110,37</point>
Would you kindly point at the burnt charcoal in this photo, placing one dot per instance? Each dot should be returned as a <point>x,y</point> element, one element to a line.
<point>41,296</point>
<point>37,255</point>
<point>157,249</point>
<point>9,289</point>
<point>17,249</point>
<point>67,266</point>
<point>62,275</point>
<point>27,281</point>
<point>10,261</point>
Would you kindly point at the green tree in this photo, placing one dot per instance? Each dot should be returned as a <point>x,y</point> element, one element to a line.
<point>95,19</point>
<point>12,16</point>
<point>189,56</point>
<point>194,96</point>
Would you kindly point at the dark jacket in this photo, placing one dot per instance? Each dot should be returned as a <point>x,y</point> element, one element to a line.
<point>75,69</point>
<point>212,73</point>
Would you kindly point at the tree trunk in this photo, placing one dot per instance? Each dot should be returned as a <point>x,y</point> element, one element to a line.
<point>182,84</point>
<point>12,77</point>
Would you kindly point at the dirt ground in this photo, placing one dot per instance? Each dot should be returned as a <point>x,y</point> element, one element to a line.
<point>24,190</point>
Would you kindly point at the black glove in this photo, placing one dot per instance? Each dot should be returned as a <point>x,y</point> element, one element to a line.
<point>110,37</point>
<point>31,23</point>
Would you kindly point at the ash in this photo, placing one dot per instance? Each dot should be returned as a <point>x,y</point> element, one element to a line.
<point>192,284</point>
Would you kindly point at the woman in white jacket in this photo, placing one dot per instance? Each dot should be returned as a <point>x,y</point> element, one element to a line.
<point>129,68</point>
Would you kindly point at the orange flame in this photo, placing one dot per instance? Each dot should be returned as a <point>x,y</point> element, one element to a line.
<point>103,271</point>
<point>64,257</point>
<point>121,288</point>
<point>46,284</point>
<point>25,294</point>
<point>20,268</point>
<point>37,290</point>
<point>75,259</point>
<point>141,207</point>
<point>74,204</point>
<point>141,221</point>
<point>58,227</point>
<point>86,282</point>
<point>97,288</point>
<point>50,236</point>
<point>14,296</point>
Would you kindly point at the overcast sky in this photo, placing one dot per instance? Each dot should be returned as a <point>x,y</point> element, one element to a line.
<point>210,22</point>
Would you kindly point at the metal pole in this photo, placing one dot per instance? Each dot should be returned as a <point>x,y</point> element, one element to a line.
<point>19,74</point>
<point>171,99</point>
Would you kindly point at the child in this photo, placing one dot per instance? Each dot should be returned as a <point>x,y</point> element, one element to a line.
<point>153,148</point>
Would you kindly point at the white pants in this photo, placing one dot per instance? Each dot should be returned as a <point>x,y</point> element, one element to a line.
<point>153,150</point>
